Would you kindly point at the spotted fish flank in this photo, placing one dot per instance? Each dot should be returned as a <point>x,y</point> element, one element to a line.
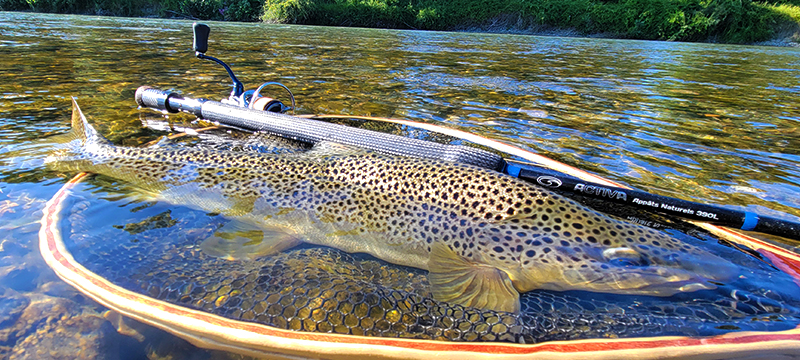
<point>484,236</point>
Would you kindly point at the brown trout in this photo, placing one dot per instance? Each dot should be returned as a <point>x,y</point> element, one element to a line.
<point>484,237</point>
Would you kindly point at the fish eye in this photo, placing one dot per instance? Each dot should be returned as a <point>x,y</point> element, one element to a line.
<point>623,256</point>
<point>671,258</point>
<point>625,262</point>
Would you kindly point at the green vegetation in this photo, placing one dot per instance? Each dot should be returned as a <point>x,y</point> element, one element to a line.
<point>231,10</point>
<point>732,21</point>
<point>736,21</point>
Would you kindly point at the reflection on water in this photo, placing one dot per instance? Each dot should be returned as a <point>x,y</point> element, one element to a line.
<point>713,123</point>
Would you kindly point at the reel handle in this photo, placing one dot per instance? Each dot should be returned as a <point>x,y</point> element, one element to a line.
<point>201,32</point>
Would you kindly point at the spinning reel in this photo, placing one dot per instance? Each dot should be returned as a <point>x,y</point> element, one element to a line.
<point>250,99</point>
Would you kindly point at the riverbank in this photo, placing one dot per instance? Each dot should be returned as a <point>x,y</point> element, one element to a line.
<point>724,21</point>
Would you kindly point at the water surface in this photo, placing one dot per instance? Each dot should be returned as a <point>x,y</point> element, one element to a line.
<point>704,122</point>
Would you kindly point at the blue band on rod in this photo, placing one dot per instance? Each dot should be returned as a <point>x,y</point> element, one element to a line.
<point>750,221</point>
<point>512,170</point>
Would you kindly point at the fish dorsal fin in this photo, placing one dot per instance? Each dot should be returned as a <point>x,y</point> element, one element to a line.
<point>81,129</point>
<point>330,148</point>
<point>457,280</point>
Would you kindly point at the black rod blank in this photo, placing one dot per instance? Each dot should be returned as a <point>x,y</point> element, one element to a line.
<point>716,215</point>
<point>313,131</point>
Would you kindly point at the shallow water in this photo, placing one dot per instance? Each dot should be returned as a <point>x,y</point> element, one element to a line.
<point>710,123</point>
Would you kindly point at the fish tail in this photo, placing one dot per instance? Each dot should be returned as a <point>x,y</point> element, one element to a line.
<point>81,130</point>
<point>50,149</point>
<point>73,145</point>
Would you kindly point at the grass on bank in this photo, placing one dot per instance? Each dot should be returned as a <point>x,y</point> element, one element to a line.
<point>731,21</point>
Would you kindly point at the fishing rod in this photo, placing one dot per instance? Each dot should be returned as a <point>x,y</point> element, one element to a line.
<point>312,131</point>
<point>247,110</point>
<point>744,220</point>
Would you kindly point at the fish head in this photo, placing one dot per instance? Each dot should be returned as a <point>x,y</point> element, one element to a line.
<point>631,270</point>
<point>641,262</point>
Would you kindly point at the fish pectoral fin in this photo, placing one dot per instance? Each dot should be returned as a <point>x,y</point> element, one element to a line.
<point>240,241</point>
<point>457,280</point>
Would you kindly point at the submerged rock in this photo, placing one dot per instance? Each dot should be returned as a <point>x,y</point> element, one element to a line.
<point>87,336</point>
<point>11,307</point>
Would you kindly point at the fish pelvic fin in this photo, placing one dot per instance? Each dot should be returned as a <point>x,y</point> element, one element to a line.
<point>241,241</point>
<point>460,281</point>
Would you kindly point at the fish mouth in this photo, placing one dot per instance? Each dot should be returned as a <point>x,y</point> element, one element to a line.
<point>626,271</point>
<point>653,280</point>
<point>653,285</point>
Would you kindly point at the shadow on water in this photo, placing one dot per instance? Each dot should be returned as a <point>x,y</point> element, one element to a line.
<point>710,123</point>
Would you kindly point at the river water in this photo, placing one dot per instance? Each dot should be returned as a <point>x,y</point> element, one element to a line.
<point>705,122</point>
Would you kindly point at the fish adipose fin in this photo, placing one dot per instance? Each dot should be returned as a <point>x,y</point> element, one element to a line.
<point>240,241</point>
<point>457,280</point>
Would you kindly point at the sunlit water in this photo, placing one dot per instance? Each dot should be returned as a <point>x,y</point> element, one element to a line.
<point>710,123</point>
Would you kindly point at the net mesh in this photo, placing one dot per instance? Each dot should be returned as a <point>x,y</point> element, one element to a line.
<point>155,250</point>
